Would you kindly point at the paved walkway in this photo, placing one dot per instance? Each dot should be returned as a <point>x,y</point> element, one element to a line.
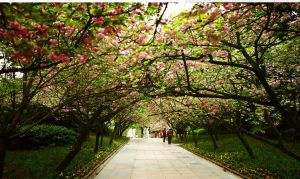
<point>153,159</point>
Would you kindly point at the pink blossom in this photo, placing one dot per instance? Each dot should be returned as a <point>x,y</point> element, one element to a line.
<point>24,32</point>
<point>99,19</point>
<point>214,110</point>
<point>37,26</point>
<point>171,33</point>
<point>205,43</point>
<point>39,49</point>
<point>206,52</point>
<point>88,39</point>
<point>141,55</point>
<point>17,56</point>
<point>134,94</point>
<point>15,25</point>
<point>101,4</point>
<point>159,39</point>
<point>156,4</point>
<point>234,17</point>
<point>203,10</point>
<point>294,24</point>
<point>285,17</point>
<point>223,53</point>
<point>259,7</point>
<point>63,58</point>
<point>53,57</point>
<point>215,13</point>
<point>82,7</point>
<point>58,3</point>
<point>295,6</point>
<point>148,51</point>
<point>132,21</point>
<point>108,30</point>
<point>100,36</point>
<point>95,51</point>
<point>118,29</point>
<point>229,6</point>
<point>173,70</point>
<point>115,42</point>
<point>225,29</point>
<point>123,66</point>
<point>53,41</point>
<point>118,10</point>
<point>190,63</point>
<point>82,60</point>
<point>141,39</point>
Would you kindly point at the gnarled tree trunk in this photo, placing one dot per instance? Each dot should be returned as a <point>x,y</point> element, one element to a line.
<point>3,148</point>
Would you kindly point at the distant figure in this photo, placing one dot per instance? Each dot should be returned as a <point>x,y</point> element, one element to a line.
<point>146,133</point>
<point>133,133</point>
<point>164,134</point>
<point>130,133</point>
<point>170,135</point>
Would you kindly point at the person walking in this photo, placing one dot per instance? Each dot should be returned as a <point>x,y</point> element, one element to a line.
<point>170,135</point>
<point>164,134</point>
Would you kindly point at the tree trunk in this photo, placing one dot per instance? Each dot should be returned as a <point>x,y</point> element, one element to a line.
<point>122,131</point>
<point>246,145</point>
<point>212,136</point>
<point>242,139</point>
<point>101,141</point>
<point>281,148</point>
<point>74,151</point>
<point>194,138</point>
<point>3,147</point>
<point>142,132</point>
<point>291,119</point>
<point>277,133</point>
<point>97,141</point>
<point>112,137</point>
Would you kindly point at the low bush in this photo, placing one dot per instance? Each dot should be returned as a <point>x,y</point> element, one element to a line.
<point>42,135</point>
<point>200,131</point>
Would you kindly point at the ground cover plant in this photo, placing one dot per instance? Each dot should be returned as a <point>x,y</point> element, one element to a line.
<point>41,163</point>
<point>270,162</point>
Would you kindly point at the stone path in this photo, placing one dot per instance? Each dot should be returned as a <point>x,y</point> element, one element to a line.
<point>153,159</point>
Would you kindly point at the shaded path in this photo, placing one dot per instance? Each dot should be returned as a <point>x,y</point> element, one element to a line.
<point>153,159</point>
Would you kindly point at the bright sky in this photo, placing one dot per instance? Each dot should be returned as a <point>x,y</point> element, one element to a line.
<point>176,8</point>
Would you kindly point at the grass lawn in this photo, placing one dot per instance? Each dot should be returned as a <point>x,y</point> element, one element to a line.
<point>270,162</point>
<point>41,163</point>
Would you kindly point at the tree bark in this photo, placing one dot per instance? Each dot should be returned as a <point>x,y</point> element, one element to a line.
<point>74,151</point>
<point>246,145</point>
<point>281,148</point>
<point>209,129</point>
<point>3,148</point>
<point>194,138</point>
<point>277,133</point>
<point>112,137</point>
<point>97,141</point>
<point>142,132</point>
<point>77,146</point>
<point>242,139</point>
<point>101,141</point>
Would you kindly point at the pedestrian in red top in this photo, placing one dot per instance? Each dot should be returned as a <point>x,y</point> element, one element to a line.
<point>164,134</point>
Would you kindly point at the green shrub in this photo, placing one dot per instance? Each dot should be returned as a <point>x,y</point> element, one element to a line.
<point>200,131</point>
<point>47,135</point>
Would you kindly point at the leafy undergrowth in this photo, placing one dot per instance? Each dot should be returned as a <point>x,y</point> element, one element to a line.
<point>270,162</point>
<point>41,163</point>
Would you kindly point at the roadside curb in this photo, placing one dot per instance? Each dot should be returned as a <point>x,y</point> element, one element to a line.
<point>95,171</point>
<point>218,163</point>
